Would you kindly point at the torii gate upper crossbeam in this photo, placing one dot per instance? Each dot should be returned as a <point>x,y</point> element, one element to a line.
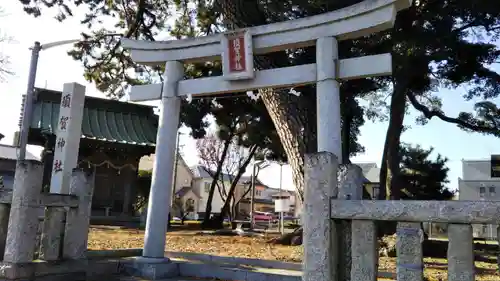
<point>361,19</point>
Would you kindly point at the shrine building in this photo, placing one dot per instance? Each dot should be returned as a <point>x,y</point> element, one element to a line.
<point>114,137</point>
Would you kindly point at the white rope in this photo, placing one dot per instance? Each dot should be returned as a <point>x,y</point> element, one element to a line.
<point>109,163</point>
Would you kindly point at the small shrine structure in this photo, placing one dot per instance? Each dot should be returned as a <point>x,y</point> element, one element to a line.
<point>114,137</point>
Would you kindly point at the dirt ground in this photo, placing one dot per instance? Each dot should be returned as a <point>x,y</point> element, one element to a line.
<point>246,247</point>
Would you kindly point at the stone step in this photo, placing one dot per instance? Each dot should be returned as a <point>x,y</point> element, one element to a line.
<point>191,271</point>
<point>129,278</point>
<point>170,279</point>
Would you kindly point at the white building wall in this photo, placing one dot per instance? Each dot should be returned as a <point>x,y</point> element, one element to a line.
<point>203,186</point>
<point>476,170</point>
<point>477,184</point>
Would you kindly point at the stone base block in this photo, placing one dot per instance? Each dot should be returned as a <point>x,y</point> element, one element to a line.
<point>149,268</point>
<point>78,270</point>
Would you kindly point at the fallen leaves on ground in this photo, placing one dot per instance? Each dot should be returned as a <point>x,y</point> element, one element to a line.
<point>253,247</point>
<point>190,241</point>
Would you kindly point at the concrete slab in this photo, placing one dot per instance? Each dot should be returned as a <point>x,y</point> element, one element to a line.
<point>234,260</point>
<point>210,270</point>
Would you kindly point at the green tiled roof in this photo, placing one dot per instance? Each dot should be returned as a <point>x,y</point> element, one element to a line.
<point>105,120</point>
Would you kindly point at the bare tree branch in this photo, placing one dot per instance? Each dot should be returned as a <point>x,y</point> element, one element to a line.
<point>430,113</point>
<point>229,158</point>
<point>5,70</point>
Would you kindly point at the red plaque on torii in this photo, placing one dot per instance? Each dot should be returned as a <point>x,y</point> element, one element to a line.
<point>237,55</point>
<point>236,51</point>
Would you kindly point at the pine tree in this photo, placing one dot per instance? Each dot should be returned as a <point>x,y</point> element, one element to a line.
<point>423,178</point>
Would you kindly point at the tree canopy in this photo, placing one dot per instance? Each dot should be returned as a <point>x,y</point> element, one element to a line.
<point>434,44</point>
<point>423,178</point>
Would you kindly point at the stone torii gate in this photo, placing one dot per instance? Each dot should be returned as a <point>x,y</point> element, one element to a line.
<point>236,49</point>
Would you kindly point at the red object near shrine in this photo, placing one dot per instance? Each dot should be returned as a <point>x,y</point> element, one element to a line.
<point>237,60</point>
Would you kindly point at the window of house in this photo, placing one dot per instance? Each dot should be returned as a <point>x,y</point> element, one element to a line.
<point>492,190</point>
<point>482,191</point>
<point>485,228</point>
<point>207,187</point>
<point>258,192</point>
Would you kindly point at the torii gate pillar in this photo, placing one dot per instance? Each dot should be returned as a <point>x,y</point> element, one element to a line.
<point>328,97</point>
<point>161,182</point>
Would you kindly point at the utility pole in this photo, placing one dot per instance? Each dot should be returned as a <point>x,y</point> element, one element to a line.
<point>177,154</point>
<point>28,103</point>
<point>256,167</point>
<point>282,224</point>
<point>30,91</point>
<point>252,198</point>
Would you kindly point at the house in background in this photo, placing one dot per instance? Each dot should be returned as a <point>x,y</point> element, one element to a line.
<point>372,182</point>
<point>265,197</point>
<point>8,158</point>
<point>185,195</point>
<point>192,187</point>
<point>475,184</point>
<point>263,201</point>
<point>202,183</point>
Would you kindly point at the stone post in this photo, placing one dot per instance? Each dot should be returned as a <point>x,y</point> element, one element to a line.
<point>460,253</point>
<point>364,265</point>
<point>410,260</point>
<point>320,233</point>
<point>350,179</point>
<point>52,233</point>
<point>78,219</point>
<point>4,225</point>
<point>23,219</point>
<point>162,180</point>
<point>498,240</point>
<point>68,134</point>
<point>328,97</point>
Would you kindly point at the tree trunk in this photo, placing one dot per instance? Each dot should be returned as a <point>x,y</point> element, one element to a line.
<point>230,195</point>
<point>346,132</point>
<point>294,238</point>
<point>208,209</point>
<point>390,188</point>
<point>290,125</point>
<point>383,173</point>
<point>288,112</point>
<point>389,174</point>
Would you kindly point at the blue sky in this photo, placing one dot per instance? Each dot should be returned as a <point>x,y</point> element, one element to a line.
<point>56,68</point>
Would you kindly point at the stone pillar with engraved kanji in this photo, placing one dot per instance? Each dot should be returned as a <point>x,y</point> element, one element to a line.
<point>68,134</point>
